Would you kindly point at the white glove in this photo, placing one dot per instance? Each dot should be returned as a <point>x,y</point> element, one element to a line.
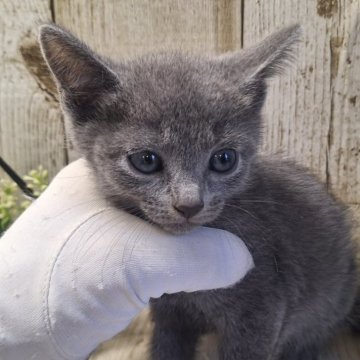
<point>74,271</point>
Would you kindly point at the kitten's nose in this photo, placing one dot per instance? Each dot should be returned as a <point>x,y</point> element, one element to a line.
<point>189,210</point>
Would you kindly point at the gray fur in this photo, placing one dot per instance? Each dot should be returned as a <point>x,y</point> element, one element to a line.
<point>185,108</point>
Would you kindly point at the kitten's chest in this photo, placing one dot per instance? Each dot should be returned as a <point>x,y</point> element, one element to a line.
<point>204,307</point>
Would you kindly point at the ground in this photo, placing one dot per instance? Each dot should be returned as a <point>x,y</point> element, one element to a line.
<point>133,344</point>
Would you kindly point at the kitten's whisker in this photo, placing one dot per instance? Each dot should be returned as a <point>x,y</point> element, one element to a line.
<point>260,201</point>
<point>242,209</point>
<point>257,222</point>
<point>239,233</point>
<point>236,226</point>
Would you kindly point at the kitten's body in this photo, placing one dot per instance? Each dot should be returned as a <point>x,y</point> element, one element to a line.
<point>298,294</point>
<point>186,111</point>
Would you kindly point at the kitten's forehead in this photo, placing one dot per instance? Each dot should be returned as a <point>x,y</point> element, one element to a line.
<point>179,97</point>
<point>169,82</point>
<point>187,135</point>
<point>169,134</point>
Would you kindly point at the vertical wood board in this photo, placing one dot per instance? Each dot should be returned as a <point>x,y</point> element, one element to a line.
<point>312,112</point>
<point>344,132</point>
<point>122,29</point>
<point>297,109</point>
<point>31,130</point>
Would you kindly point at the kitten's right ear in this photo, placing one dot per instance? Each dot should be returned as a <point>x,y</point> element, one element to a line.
<point>265,59</point>
<point>82,77</point>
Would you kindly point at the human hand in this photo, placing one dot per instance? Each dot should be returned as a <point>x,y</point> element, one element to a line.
<point>74,271</point>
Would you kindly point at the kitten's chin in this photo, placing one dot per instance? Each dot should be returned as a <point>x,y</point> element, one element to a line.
<point>178,229</point>
<point>181,227</point>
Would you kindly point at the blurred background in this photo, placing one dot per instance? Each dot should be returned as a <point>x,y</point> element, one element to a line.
<point>312,112</point>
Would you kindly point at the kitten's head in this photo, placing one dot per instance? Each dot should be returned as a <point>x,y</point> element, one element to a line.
<point>171,137</point>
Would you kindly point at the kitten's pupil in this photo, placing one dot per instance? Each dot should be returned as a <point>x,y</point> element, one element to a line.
<point>146,162</point>
<point>223,160</point>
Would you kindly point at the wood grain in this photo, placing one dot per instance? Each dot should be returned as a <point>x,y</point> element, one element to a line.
<point>344,131</point>
<point>297,111</point>
<point>312,112</point>
<point>31,130</point>
<point>123,29</point>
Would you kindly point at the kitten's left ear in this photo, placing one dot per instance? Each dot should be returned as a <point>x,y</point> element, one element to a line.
<point>267,58</point>
<point>82,76</point>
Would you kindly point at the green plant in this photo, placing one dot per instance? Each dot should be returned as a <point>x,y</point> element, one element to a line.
<point>12,200</point>
<point>37,180</point>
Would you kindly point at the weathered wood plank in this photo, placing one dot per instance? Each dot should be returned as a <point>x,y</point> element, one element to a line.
<point>344,131</point>
<point>131,344</point>
<point>31,131</point>
<point>134,27</point>
<point>313,112</point>
<point>298,104</point>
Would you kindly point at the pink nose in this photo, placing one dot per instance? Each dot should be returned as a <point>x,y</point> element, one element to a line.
<point>189,210</point>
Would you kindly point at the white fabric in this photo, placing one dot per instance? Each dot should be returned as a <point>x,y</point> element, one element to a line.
<point>74,271</point>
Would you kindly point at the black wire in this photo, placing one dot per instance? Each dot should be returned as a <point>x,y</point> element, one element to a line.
<point>16,178</point>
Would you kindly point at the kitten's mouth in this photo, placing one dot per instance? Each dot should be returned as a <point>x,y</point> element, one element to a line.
<point>182,226</point>
<point>178,224</point>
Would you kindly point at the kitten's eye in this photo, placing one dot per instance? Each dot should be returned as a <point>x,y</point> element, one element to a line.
<point>146,162</point>
<point>223,160</point>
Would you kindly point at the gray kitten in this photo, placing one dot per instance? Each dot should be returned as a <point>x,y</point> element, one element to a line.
<point>173,138</point>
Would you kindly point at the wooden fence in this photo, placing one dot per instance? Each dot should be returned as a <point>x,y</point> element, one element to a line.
<point>312,112</point>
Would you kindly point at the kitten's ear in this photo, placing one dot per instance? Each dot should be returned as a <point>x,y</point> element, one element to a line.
<point>267,58</point>
<point>80,74</point>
